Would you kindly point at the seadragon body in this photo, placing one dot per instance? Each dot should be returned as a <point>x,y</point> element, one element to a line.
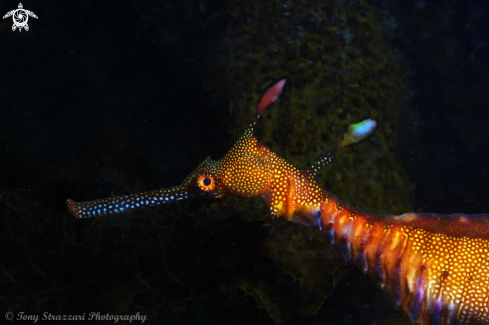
<point>436,267</point>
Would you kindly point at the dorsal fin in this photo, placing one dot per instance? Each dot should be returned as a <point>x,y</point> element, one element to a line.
<point>355,134</point>
<point>271,93</point>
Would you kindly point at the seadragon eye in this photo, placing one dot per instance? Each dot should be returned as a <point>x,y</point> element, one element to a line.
<point>206,183</point>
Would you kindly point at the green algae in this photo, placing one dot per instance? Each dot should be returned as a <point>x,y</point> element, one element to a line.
<point>341,69</point>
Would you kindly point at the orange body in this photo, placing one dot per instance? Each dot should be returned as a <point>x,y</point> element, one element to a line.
<point>436,267</point>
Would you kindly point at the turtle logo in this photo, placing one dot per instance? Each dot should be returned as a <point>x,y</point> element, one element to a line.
<point>20,17</point>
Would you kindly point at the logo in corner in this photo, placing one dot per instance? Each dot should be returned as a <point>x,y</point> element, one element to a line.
<point>20,17</point>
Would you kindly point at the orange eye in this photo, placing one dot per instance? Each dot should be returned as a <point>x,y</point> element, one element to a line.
<point>206,183</point>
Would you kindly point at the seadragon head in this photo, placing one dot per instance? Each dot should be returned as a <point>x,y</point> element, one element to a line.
<point>242,172</point>
<point>249,169</point>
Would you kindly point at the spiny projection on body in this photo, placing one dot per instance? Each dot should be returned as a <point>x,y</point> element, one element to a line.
<point>436,267</point>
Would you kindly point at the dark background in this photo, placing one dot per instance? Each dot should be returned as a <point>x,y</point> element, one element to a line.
<point>105,98</point>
